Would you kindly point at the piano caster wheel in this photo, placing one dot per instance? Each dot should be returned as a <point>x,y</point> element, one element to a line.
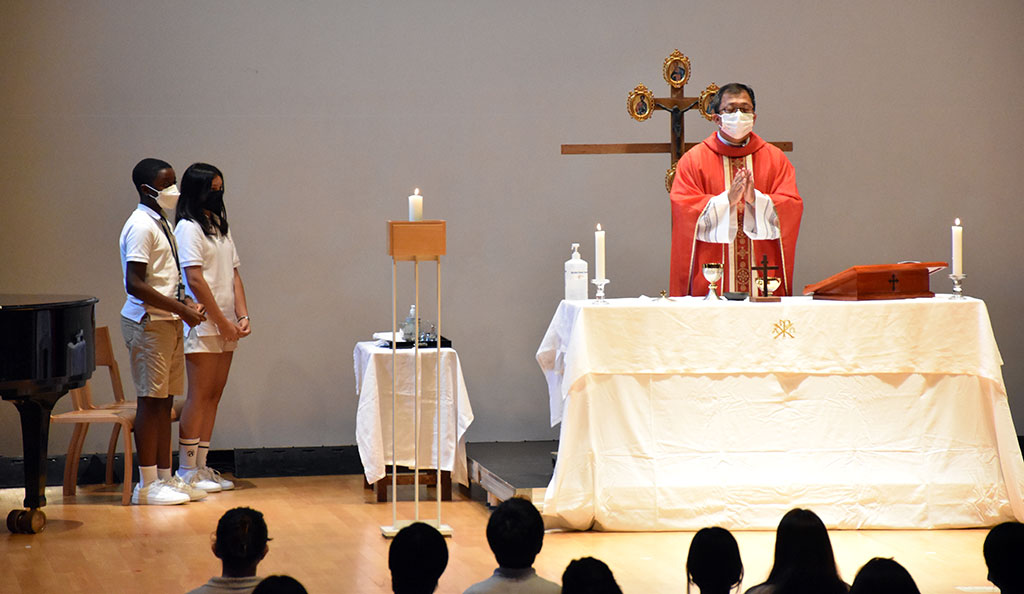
<point>26,521</point>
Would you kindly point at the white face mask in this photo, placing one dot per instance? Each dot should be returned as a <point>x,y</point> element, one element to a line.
<point>737,124</point>
<point>167,198</point>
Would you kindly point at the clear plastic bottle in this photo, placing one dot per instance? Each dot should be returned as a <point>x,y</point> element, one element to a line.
<point>409,325</point>
<point>576,287</point>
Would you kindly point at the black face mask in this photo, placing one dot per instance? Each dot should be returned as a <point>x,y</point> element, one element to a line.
<point>214,201</point>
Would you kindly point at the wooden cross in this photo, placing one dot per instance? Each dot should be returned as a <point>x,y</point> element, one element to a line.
<point>893,282</point>
<point>762,270</point>
<point>676,72</point>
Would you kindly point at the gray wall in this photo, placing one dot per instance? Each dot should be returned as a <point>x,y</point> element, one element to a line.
<point>324,115</point>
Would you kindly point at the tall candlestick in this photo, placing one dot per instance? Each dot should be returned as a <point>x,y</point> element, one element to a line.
<point>958,248</point>
<point>599,253</point>
<point>416,206</point>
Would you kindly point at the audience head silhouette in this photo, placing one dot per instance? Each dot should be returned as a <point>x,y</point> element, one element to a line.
<point>279,584</point>
<point>883,576</point>
<point>1004,549</point>
<point>589,576</point>
<point>713,563</point>
<point>241,541</point>
<point>804,561</point>
<point>515,533</point>
<point>417,558</point>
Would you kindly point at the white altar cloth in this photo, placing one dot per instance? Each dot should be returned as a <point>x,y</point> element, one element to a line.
<point>682,414</point>
<point>373,416</point>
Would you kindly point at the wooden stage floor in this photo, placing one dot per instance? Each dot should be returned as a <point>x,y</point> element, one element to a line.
<point>326,533</point>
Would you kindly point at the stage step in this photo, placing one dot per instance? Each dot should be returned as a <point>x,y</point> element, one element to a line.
<point>507,469</point>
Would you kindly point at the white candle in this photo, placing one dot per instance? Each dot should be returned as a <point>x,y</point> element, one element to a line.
<point>958,248</point>
<point>416,206</point>
<point>599,253</point>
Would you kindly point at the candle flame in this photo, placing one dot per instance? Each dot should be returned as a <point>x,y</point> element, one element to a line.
<point>957,223</point>
<point>416,191</point>
<point>599,226</point>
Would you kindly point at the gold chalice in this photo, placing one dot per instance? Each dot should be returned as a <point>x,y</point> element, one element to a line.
<point>712,274</point>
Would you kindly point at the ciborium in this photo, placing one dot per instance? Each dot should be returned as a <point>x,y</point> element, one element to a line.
<point>773,283</point>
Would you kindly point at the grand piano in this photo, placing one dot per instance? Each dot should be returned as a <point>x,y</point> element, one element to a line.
<point>46,348</point>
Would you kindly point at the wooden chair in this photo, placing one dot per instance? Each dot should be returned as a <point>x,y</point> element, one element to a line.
<point>121,413</point>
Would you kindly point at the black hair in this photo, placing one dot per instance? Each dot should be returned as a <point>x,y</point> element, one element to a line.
<point>1002,550</point>
<point>804,561</point>
<point>713,563</point>
<point>145,172</point>
<point>196,185</point>
<point>241,537</point>
<point>417,558</point>
<point>589,576</point>
<point>515,533</point>
<point>279,584</point>
<point>883,576</point>
<point>731,89</point>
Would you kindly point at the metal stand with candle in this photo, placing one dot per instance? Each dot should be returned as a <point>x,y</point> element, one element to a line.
<point>415,241</point>
<point>958,288</point>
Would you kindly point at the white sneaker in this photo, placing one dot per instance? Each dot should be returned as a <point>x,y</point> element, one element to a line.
<point>212,475</point>
<point>194,493</point>
<point>158,493</point>
<point>195,477</point>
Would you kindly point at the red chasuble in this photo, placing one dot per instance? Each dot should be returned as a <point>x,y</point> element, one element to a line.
<point>701,175</point>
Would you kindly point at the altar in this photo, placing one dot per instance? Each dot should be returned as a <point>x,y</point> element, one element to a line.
<point>681,414</point>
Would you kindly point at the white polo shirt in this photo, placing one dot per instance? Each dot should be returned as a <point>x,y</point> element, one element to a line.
<point>217,256</point>
<point>142,240</point>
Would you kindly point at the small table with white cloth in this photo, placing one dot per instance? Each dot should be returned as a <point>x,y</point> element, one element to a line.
<point>373,417</point>
<point>687,413</point>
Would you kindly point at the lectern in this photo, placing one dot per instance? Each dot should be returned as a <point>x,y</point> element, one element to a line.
<point>906,280</point>
<point>415,241</point>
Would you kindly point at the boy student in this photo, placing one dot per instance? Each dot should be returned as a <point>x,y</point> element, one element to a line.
<point>151,322</point>
<point>515,533</point>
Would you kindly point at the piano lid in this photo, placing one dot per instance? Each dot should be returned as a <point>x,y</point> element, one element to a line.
<point>42,301</point>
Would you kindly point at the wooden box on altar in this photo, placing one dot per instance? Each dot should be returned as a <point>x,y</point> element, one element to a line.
<point>878,281</point>
<point>416,240</point>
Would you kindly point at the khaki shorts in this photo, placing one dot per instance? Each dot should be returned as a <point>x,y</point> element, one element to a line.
<point>157,356</point>
<point>213,343</point>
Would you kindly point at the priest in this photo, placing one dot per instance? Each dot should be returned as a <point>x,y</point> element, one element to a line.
<point>734,201</point>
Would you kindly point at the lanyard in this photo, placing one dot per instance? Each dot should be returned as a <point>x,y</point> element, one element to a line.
<point>166,228</point>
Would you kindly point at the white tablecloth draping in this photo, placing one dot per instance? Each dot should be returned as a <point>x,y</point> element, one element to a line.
<point>373,416</point>
<point>685,414</point>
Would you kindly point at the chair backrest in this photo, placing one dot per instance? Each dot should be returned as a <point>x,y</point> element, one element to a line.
<point>81,398</point>
<point>105,358</point>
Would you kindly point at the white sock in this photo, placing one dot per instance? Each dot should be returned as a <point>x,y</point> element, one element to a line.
<point>147,475</point>
<point>163,474</point>
<point>204,449</point>
<point>187,453</point>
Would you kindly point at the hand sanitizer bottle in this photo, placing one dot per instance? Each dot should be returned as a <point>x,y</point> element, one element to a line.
<point>576,287</point>
<point>409,325</point>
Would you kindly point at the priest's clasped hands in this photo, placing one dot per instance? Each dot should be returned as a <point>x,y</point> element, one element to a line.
<point>742,187</point>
